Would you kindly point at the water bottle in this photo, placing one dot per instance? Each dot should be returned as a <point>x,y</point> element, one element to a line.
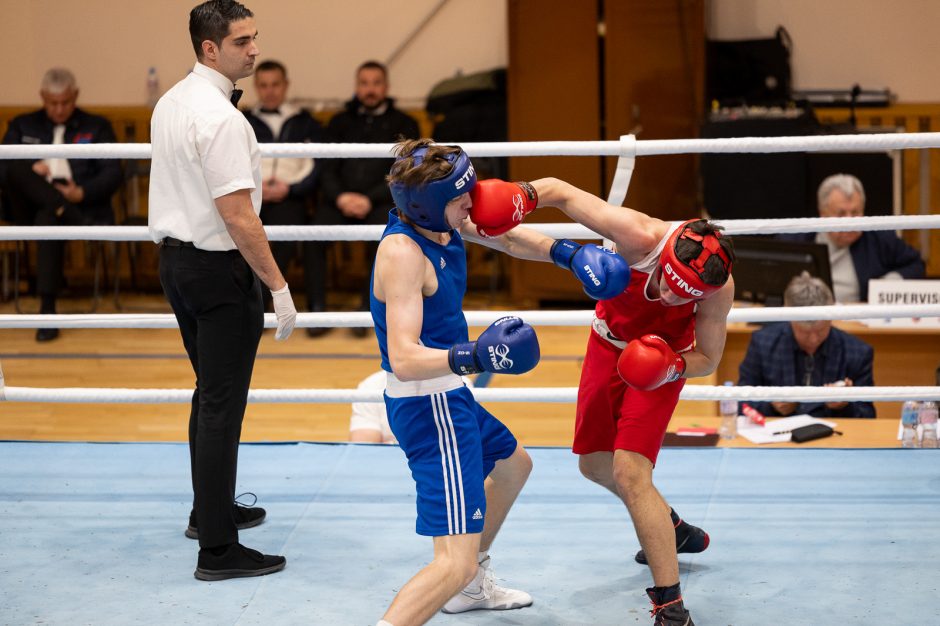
<point>729,416</point>
<point>153,87</point>
<point>910,411</point>
<point>927,416</point>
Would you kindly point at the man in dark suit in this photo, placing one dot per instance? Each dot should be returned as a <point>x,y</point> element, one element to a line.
<point>808,353</point>
<point>354,191</point>
<point>857,257</point>
<point>58,192</point>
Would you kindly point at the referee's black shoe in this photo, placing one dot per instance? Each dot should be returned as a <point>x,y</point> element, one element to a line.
<point>245,517</point>
<point>235,561</point>
<point>46,334</point>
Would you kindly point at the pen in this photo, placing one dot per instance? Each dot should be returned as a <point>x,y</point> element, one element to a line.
<point>787,432</point>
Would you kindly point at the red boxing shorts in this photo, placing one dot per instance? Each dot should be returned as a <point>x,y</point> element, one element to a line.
<point>613,416</point>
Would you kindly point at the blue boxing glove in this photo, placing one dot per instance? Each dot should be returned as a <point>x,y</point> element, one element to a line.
<point>603,272</point>
<point>508,346</point>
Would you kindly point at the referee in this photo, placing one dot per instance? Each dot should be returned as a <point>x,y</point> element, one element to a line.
<point>205,195</point>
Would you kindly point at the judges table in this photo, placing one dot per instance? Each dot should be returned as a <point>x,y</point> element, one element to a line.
<point>903,356</point>
<point>856,433</point>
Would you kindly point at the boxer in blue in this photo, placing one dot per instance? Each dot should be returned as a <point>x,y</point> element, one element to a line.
<point>467,467</point>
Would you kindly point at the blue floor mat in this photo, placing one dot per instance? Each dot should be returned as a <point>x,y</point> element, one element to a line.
<point>93,534</point>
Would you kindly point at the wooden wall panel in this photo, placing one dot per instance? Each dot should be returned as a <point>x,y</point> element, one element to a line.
<point>553,92</point>
<point>553,85</point>
<point>654,83</point>
<point>652,74</point>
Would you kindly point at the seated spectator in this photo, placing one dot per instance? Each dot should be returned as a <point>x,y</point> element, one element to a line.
<point>369,421</point>
<point>287,185</point>
<point>354,191</point>
<point>58,192</point>
<point>807,353</point>
<point>857,257</point>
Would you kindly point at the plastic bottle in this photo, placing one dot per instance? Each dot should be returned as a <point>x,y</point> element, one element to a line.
<point>927,416</point>
<point>153,87</point>
<point>909,416</point>
<point>729,416</point>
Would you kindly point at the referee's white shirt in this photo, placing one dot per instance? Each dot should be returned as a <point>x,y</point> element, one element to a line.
<point>202,148</point>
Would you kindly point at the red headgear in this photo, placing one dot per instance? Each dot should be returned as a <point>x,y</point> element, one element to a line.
<point>686,280</point>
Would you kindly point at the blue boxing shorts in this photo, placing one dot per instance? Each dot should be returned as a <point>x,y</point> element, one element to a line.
<point>452,444</point>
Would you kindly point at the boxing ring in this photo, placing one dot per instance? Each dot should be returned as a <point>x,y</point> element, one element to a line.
<point>93,533</point>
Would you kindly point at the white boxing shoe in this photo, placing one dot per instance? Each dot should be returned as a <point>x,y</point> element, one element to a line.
<point>484,593</point>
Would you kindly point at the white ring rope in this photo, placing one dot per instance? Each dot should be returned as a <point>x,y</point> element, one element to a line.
<point>813,143</point>
<point>519,394</point>
<point>571,231</point>
<point>827,143</point>
<point>275,233</point>
<point>363,319</point>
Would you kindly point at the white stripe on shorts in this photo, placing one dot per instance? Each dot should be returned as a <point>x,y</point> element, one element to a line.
<point>462,509</point>
<point>441,446</point>
<point>450,462</point>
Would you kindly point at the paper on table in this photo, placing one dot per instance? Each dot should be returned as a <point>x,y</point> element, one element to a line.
<point>778,430</point>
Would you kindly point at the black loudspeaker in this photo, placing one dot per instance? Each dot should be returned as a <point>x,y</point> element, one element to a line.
<point>749,71</point>
<point>745,186</point>
<point>874,169</point>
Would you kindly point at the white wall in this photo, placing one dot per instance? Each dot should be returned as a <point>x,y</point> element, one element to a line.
<point>109,45</point>
<point>838,43</point>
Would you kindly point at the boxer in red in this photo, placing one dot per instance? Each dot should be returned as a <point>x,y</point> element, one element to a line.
<point>669,324</point>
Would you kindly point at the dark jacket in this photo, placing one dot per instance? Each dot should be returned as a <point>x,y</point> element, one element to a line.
<point>299,128</point>
<point>774,359</point>
<point>99,178</point>
<point>365,176</point>
<point>876,253</point>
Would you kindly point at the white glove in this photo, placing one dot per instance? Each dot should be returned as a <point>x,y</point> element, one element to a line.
<point>285,312</point>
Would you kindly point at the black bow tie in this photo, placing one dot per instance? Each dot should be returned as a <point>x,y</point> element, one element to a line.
<point>236,96</point>
<point>274,111</point>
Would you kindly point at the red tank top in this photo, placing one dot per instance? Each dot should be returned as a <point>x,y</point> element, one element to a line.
<point>632,314</point>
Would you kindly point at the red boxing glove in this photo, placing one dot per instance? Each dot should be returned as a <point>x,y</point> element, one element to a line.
<point>499,206</point>
<point>648,362</point>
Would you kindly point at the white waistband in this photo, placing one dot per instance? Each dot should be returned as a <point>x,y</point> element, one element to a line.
<point>603,331</point>
<point>408,389</point>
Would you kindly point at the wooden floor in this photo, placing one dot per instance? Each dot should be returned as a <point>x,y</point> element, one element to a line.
<point>117,358</point>
<point>132,358</point>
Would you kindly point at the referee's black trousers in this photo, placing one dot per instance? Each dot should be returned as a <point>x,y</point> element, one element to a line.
<point>217,301</point>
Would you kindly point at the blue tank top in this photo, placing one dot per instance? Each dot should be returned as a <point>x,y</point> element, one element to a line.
<point>444,323</point>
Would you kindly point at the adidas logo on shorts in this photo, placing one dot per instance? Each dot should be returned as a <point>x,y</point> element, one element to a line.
<point>478,515</point>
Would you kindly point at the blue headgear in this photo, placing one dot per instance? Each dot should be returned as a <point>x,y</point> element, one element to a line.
<point>425,204</point>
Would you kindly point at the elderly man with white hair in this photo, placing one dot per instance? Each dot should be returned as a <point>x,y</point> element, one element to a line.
<point>857,257</point>
<point>58,192</point>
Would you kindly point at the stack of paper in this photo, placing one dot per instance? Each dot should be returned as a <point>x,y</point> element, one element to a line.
<point>778,430</point>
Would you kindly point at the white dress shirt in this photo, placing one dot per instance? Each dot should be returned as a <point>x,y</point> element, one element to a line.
<point>203,148</point>
<point>844,278</point>
<point>288,170</point>
<point>58,168</point>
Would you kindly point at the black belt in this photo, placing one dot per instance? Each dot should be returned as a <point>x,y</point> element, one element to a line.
<point>176,243</point>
